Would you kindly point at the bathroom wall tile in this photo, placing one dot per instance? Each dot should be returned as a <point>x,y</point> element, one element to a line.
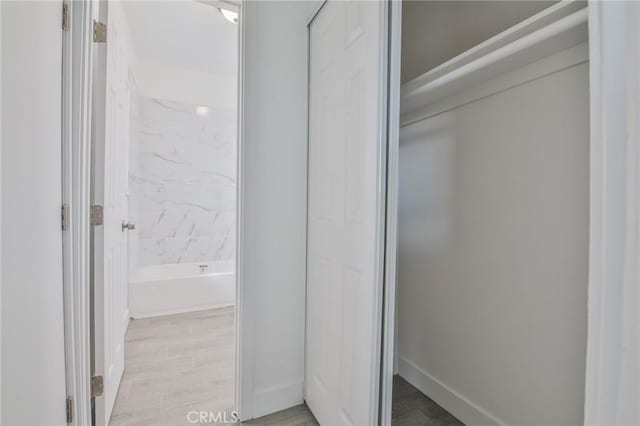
<point>182,182</point>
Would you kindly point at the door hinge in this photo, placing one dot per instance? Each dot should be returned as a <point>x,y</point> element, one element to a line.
<point>97,386</point>
<point>96,215</point>
<point>65,217</point>
<point>69,409</point>
<point>65,17</point>
<point>99,32</point>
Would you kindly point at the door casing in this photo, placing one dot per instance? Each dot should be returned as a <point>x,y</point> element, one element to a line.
<point>81,60</point>
<point>76,181</point>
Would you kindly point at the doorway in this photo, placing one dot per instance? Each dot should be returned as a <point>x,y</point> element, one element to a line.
<point>165,174</point>
<point>493,253</point>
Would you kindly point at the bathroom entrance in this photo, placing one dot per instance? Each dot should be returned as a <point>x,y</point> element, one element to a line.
<point>165,174</point>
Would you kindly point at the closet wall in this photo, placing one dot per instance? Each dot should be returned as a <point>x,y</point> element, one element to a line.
<point>435,31</point>
<point>493,227</point>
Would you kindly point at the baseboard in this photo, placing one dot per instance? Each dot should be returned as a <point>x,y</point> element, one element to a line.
<point>277,398</point>
<point>462,408</point>
<point>140,315</point>
<point>127,320</point>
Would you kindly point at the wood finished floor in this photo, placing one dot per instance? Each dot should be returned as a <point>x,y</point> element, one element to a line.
<point>412,408</point>
<point>175,364</point>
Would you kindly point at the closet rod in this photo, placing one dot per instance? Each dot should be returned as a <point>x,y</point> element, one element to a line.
<point>536,37</point>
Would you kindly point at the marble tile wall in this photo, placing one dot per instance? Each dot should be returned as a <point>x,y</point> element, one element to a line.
<point>182,182</point>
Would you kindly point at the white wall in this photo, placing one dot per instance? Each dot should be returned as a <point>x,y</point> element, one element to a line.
<point>493,253</point>
<point>181,84</point>
<point>273,204</point>
<point>33,378</point>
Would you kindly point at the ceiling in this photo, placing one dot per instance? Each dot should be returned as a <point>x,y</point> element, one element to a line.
<point>185,33</point>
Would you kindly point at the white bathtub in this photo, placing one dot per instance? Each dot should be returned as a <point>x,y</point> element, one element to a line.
<point>184,287</point>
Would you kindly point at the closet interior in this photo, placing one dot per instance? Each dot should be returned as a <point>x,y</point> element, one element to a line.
<point>491,298</point>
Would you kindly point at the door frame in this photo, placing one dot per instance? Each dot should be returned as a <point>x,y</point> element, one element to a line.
<point>387,362</point>
<point>243,319</point>
<point>612,382</point>
<point>76,191</point>
<point>77,125</point>
<point>614,248</point>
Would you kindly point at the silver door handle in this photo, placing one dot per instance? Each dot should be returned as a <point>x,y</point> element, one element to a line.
<point>128,226</point>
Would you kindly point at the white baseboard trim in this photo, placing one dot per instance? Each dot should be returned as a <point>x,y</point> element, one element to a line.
<point>276,398</point>
<point>127,320</point>
<point>462,408</point>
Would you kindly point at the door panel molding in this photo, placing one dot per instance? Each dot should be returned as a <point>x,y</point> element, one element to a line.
<point>346,210</point>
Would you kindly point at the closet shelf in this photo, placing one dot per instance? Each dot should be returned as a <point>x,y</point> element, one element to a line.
<point>551,31</point>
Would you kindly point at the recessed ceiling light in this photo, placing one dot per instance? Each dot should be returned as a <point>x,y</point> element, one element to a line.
<point>229,15</point>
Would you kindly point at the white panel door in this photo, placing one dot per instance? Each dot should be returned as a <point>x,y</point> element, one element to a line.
<point>347,113</point>
<point>110,241</point>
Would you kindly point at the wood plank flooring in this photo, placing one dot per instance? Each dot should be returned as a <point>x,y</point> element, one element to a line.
<point>175,364</point>
<point>294,416</point>
<point>183,363</point>
<point>412,408</point>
